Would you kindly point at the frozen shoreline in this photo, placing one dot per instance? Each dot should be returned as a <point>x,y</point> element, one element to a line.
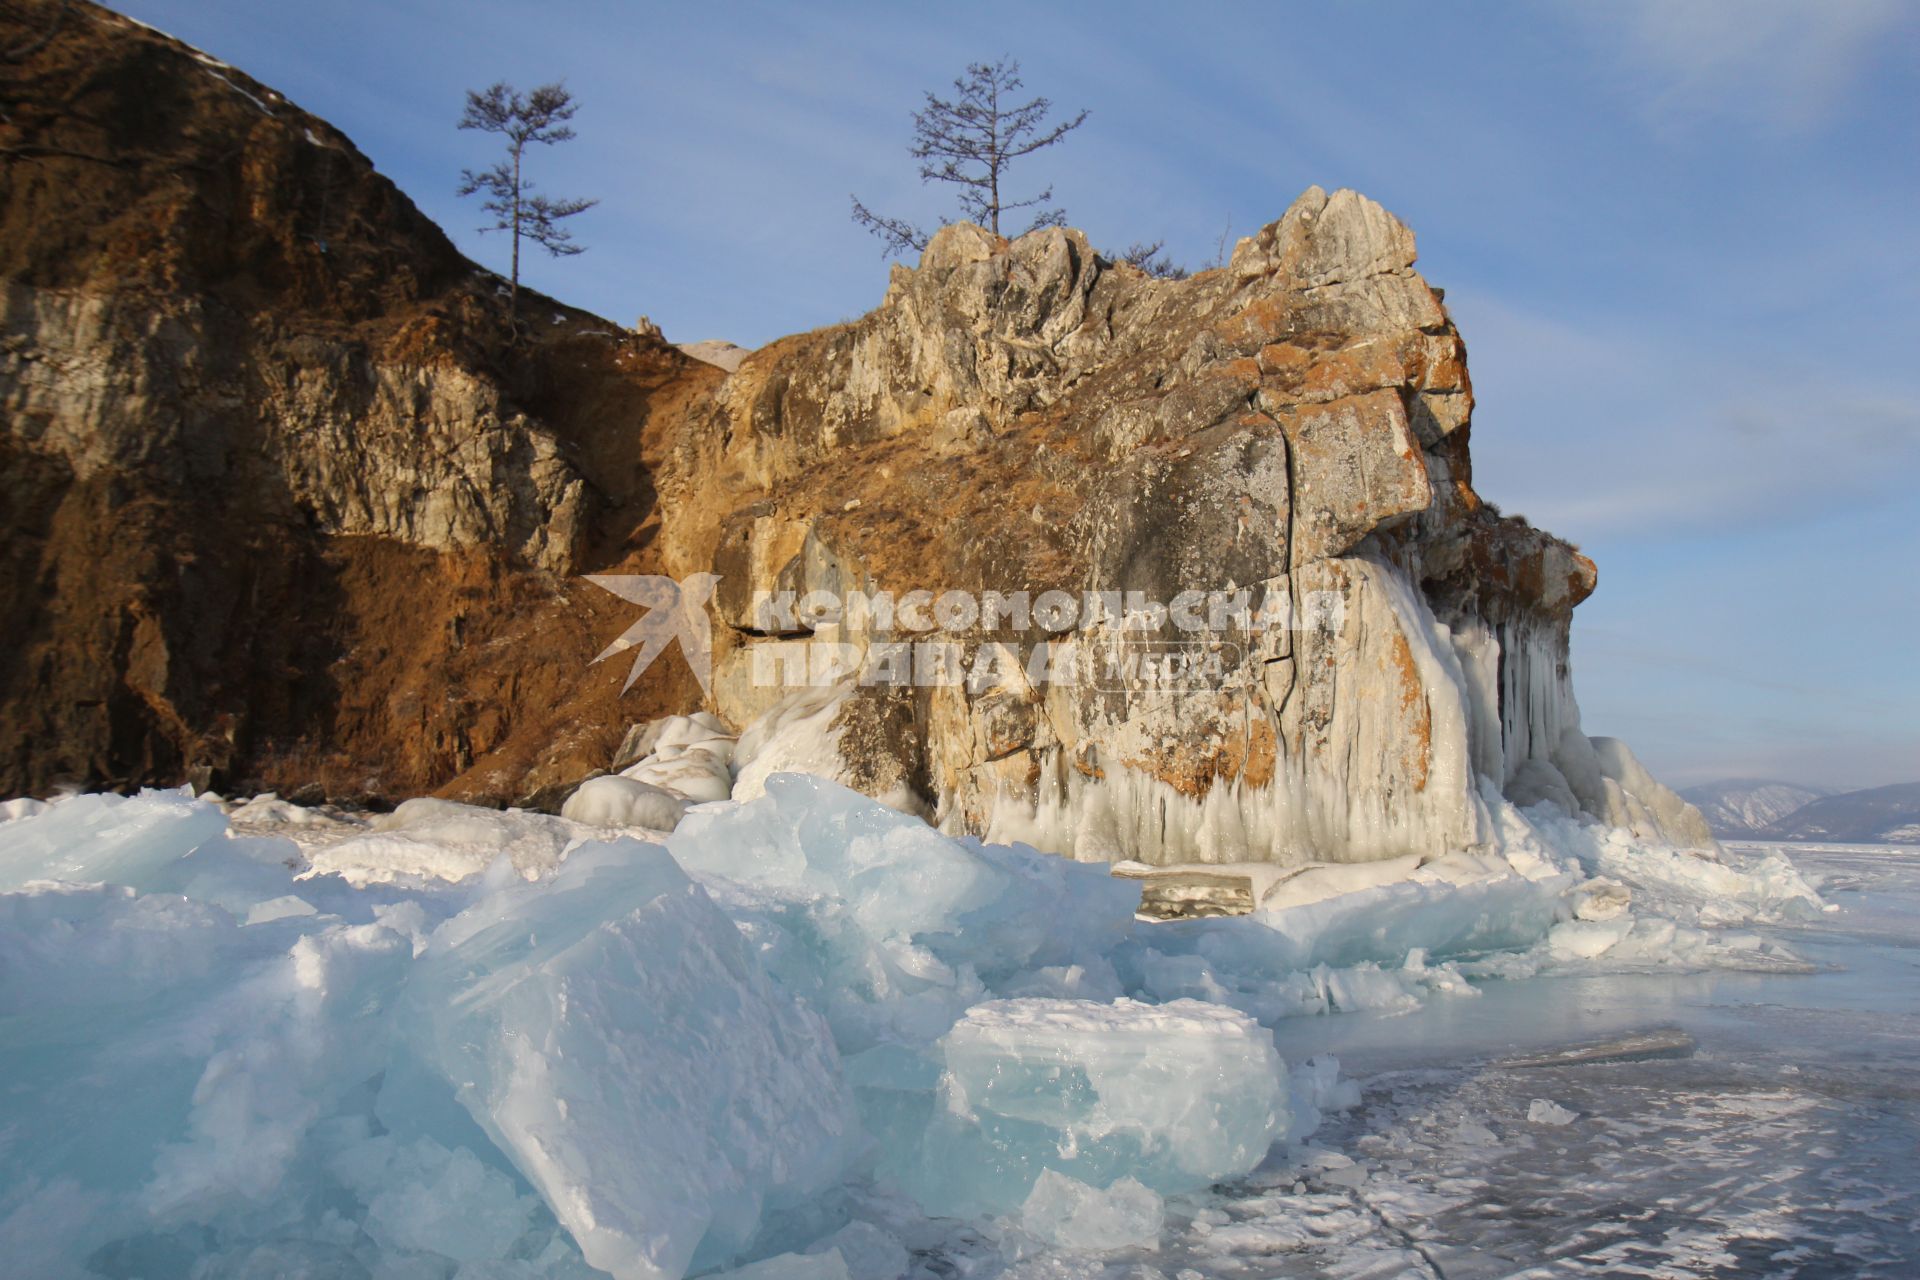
<point>816,1003</point>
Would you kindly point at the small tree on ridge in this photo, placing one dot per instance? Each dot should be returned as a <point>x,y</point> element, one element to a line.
<point>540,116</point>
<point>970,142</point>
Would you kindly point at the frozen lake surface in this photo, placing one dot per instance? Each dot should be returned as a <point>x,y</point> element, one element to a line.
<point>805,1037</point>
<point>1769,1125</point>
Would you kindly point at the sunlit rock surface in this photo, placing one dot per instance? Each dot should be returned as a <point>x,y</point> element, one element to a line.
<point>1027,416</point>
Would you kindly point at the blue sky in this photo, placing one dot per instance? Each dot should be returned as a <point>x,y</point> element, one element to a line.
<point>1679,236</point>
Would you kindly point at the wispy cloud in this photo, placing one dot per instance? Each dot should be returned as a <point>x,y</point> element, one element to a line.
<point>1600,431</point>
<point>1784,64</point>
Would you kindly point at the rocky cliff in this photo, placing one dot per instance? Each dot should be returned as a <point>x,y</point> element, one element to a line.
<point>1288,433</point>
<point>287,502</point>
<point>284,505</point>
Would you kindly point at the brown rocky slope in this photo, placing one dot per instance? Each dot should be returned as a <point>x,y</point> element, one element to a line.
<point>283,506</point>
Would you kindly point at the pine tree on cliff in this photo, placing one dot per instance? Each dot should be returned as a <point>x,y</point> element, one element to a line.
<point>970,142</point>
<point>540,116</point>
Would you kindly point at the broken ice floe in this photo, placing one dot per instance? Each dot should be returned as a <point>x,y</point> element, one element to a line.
<point>1548,1112</point>
<point>451,1037</point>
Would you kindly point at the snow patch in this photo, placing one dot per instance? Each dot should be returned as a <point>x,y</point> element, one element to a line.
<point>616,801</point>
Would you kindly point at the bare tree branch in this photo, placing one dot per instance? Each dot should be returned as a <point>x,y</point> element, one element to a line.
<point>1148,258</point>
<point>898,234</point>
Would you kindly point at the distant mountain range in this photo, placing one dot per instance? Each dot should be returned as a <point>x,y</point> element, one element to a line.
<point>1758,809</point>
<point>1747,806</point>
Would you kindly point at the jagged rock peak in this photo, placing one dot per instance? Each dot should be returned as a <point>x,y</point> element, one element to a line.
<point>1323,240</point>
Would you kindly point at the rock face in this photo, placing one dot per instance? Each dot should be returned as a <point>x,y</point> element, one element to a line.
<point>290,499</point>
<point>1029,417</point>
<point>285,502</point>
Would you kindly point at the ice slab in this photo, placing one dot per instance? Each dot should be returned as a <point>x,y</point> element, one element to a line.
<point>423,1198</point>
<point>1546,1111</point>
<point>1175,1095</point>
<point>107,839</point>
<point>892,926</point>
<point>1317,1090</point>
<point>825,1265</point>
<point>426,839</point>
<point>868,1252</point>
<point>611,1032</point>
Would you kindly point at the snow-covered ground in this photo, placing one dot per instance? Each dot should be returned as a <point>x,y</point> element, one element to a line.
<point>806,1036</point>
